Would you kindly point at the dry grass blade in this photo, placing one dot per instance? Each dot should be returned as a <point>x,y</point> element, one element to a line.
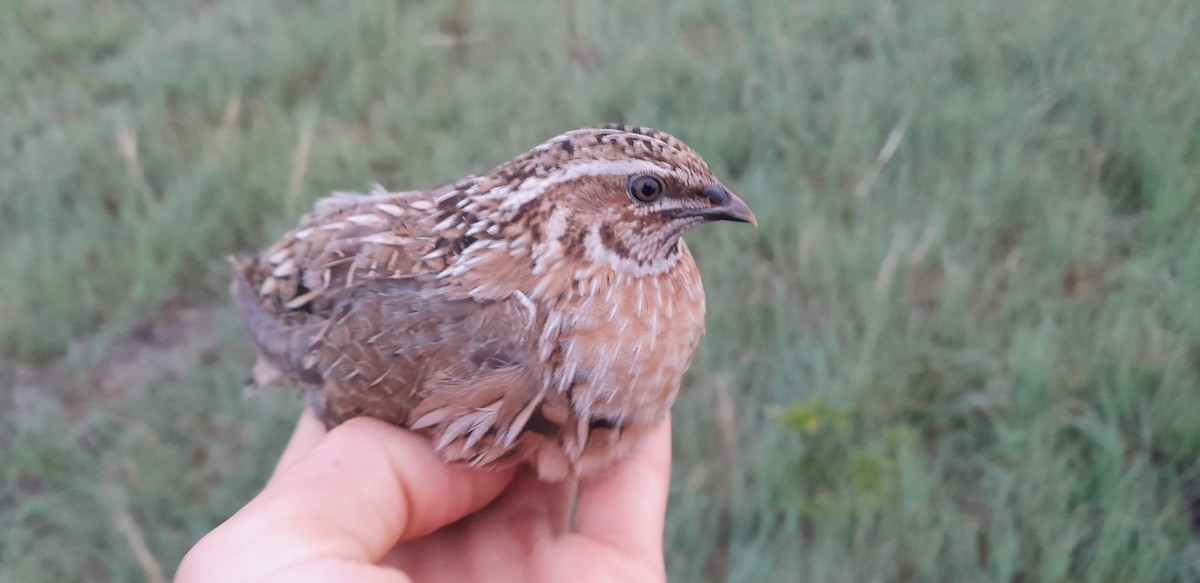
<point>881,160</point>
<point>127,527</point>
<point>887,269</point>
<point>299,166</point>
<point>128,146</point>
<point>229,120</point>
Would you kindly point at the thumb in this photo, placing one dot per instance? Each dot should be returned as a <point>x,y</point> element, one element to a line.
<point>365,487</point>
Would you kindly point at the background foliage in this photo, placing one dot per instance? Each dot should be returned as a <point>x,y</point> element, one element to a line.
<point>964,344</point>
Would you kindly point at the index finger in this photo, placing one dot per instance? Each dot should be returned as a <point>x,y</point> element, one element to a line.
<point>627,507</point>
<point>308,433</point>
<point>366,486</point>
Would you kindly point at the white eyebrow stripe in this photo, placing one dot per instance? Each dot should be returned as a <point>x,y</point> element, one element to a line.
<point>533,187</point>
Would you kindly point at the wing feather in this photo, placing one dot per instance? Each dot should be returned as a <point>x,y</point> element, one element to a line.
<point>349,304</point>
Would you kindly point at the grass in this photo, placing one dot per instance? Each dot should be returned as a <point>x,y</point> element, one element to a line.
<point>964,344</point>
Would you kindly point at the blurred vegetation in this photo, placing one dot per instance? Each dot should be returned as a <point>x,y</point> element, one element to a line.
<point>964,344</point>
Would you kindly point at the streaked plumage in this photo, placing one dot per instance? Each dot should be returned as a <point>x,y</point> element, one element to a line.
<point>540,312</point>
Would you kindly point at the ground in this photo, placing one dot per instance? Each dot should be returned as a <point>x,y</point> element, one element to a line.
<point>963,345</point>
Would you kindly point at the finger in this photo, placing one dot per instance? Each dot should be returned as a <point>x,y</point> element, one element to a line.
<point>627,506</point>
<point>366,486</point>
<point>324,570</point>
<point>527,516</point>
<point>309,431</point>
<point>528,498</point>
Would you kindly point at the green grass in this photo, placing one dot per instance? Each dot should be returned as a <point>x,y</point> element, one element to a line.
<point>978,360</point>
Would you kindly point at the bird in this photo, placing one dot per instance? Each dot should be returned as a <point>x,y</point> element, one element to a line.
<point>542,313</point>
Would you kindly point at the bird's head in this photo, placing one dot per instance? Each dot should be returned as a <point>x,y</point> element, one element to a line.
<point>613,194</point>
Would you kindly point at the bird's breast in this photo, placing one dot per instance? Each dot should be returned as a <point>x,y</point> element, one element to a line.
<point>620,344</point>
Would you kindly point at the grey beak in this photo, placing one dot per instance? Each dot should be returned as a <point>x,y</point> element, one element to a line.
<point>726,207</point>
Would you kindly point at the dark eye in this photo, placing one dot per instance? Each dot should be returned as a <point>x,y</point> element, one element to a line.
<point>645,188</point>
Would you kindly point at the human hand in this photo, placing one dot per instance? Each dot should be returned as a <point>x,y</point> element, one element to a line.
<point>369,501</point>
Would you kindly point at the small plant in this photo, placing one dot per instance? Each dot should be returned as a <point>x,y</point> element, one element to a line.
<point>841,470</point>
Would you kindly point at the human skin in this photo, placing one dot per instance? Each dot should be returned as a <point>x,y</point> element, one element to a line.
<point>369,501</point>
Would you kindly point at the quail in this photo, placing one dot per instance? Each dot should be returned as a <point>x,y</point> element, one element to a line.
<point>544,312</point>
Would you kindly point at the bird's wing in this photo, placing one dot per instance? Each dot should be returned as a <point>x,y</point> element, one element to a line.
<point>350,302</point>
<point>288,293</point>
<point>465,371</point>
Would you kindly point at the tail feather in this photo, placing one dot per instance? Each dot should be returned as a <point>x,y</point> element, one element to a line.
<point>283,347</point>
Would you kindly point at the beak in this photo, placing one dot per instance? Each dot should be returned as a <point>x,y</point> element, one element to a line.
<point>726,207</point>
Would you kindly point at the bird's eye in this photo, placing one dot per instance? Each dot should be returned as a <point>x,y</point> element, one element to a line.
<point>646,188</point>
